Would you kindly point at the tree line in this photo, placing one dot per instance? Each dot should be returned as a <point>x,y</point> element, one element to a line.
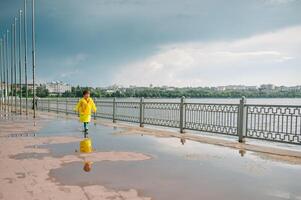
<point>158,92</point>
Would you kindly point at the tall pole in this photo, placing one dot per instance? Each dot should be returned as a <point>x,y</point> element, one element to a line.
<point>1,72</point>
<point>4,75</point>
<point>3,64</point>
<point>33,61</point>
<point>7,71</point>
<point>12,67</point>
<point>25,55</point>
<point>15,62</point>
<point>20,65</point>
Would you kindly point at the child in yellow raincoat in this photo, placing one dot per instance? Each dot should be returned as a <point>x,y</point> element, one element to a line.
<point>84,107</point>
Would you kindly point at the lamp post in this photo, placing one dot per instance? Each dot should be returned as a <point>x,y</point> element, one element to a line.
<point>25,56</point>
<point>15,62</point>
<point>7,71</point>
<point>33,61</point>
<point>12,66</point>
<point>20,65</point>
<point>1,72</point>
<point>3,85</point>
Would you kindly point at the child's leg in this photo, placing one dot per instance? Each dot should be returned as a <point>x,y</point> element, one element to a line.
<point>85,126</point>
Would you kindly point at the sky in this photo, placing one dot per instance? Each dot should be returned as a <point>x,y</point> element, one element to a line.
<point>172,42</point>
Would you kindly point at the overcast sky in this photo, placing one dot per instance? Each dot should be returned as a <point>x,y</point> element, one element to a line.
<point>166,42</point>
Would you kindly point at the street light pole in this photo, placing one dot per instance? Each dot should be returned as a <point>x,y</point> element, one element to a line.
<point>25,55</point>
<point>7,71</point>
<point>3,87</point>
<point>3,64</point>
<point>12,66</point>
<point>20,65</point>
<point>33,60</point>
<point>1,72</point>
<point>15,62</point>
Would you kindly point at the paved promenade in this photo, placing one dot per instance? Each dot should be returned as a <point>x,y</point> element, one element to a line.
<point>41,160</point>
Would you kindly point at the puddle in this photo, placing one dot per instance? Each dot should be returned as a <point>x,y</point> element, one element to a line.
<point>23,134</point>
<point>179,169</point>
<point>23,156</point>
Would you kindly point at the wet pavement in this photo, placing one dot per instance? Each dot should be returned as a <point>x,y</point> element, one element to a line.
<point>178,169</point>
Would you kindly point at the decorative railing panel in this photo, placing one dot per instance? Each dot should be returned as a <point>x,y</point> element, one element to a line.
<point>128,111</point>
<point>216,118</point>
<point>52,105</point>
<point>162,114</point>
<point>105,109</point>
<point>42,104</point>
<point>70,106</point>
<point>275,123</point>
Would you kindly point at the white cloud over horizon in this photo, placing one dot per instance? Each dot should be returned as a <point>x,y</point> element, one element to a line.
<point>272,57</point>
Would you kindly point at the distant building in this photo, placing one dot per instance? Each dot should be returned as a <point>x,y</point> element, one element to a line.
<point>236,87</point>
<point>57,87</point>
<point>297,87</point>
<point>30,86</point>
<point>170,89</point>
<point>267,87</point>
<point>110,91</point>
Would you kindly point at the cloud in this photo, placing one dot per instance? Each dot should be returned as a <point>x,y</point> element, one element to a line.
<point>271,57</point>
<point>75,59</point>
<point>68,74</point>
<point>113,34</point>
<point>277,2</point>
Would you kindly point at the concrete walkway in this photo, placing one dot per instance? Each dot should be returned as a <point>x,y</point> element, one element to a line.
<point>40,160</point>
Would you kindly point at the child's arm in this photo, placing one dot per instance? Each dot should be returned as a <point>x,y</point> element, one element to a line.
<point>76,108</point>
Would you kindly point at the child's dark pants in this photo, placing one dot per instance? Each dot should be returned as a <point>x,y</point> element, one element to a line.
<point>86,126</point>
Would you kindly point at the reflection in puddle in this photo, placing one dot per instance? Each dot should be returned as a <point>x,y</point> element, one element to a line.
<point>242,152</point>
<point>24,156</point>
<point>28,134</point>
<point>183,141</point>
<point>86,145</point>
<point>87,166</point>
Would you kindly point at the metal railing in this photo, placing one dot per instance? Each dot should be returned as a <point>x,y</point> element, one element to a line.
<point>278,123</point>
<point>215,118</point>
<point>275,123</point>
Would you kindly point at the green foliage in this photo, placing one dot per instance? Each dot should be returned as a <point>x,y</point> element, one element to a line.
<point>161,92</point>
<point>42,91</point>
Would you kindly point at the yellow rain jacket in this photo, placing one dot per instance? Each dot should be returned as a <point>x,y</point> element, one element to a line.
<point>84,108</point>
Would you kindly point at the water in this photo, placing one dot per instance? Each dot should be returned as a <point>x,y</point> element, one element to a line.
<point>191,171</point>
<point>270,101</point>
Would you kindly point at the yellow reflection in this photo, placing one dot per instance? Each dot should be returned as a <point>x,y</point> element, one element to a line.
<point>87,166</point>
<point>86,146</point>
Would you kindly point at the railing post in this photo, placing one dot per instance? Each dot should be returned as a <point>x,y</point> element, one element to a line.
<point>57,104</point>
<point>66,106</point>
<point>141,114</point>
<point>114,110</point>
<point>242,120</point>
<point>48,100</point>
<point>182,107</point>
